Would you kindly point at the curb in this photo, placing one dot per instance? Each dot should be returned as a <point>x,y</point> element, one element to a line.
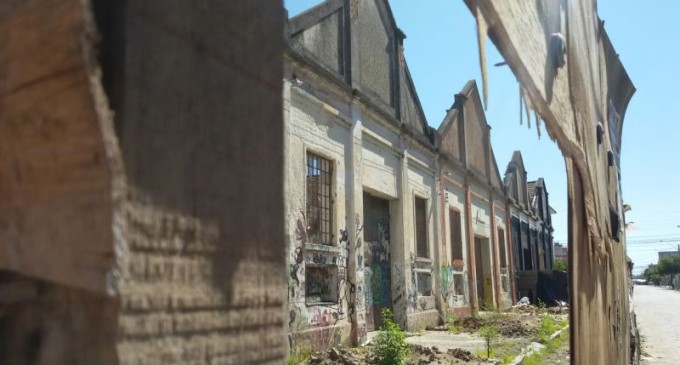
<point>532,348</point>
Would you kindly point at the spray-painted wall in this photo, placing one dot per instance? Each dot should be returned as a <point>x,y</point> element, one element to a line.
<point>454,288</point>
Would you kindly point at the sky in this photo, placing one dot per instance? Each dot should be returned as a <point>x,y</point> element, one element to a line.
<point>441,51</point>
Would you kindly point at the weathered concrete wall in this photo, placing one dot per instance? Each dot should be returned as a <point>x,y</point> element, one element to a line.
<point>200,108</point>
<point>59,162</point>
<point>572,96</point>
<point>189,255</point>
<point>312,128</point>
<point>454,286</point>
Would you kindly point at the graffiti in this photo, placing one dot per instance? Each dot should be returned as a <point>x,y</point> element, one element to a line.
<point>326,338</point>
<point>320,284</point>
<point>321,317</point>
<point>380,279</point>
<point>358,228</point>
<point>343,236</point>
<point>445,281</point>
<point>318,258</point>
<point>411,303</point>
<point>298,255</point>
<point>293,273</point>
<point>291,318</point>
<point>296,320</point>
<point>360,262</point>
<point>397,271</point>
<point>301,229</point>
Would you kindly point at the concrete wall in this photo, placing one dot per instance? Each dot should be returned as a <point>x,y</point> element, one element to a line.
<point>370,156</point>
<point>159,243</point>
<point>200,109</point>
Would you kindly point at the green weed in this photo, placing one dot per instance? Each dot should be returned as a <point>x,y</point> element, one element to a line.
<point>299,355</point>
<point>490,336</point>
<point>390,343</point>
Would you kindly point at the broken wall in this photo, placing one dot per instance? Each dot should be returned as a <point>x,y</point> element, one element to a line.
<point>154,244</point>
<point>555,49</point>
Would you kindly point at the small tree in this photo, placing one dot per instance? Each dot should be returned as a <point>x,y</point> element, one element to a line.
<point>489,334</point>
<point>669,266</point>
<point>390,343</point>
<point>651,274</point>
<point>561,265</point>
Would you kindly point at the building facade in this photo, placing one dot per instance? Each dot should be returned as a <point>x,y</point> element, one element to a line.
<point>378,214</point>
<point>531,227</point>
<point>475,243</point>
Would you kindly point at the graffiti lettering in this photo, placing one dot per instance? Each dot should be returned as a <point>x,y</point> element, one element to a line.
<point>319,258</point>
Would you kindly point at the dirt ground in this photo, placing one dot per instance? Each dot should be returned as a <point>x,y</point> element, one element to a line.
<point>517,328</point>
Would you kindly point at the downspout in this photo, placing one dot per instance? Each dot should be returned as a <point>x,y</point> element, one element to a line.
<point>442,234</point>
<point>510,253</point>
<point>471,247</point>
<point>494,242</point>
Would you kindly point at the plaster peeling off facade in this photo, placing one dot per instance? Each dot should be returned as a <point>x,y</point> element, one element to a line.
<point>376,216</point>
<point>573,79</point>
<point>531,228</point>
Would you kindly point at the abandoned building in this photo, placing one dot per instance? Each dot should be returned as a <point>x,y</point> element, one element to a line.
<point>382,211</point>
<point>474,214</point>
<point>531,226</point>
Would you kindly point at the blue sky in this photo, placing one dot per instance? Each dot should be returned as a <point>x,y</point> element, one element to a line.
<point>442,55</point>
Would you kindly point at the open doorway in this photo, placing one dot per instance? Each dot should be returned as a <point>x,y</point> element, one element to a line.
<point>484,272</point>
<point>377,280</point>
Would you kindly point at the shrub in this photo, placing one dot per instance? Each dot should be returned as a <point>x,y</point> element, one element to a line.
<point>490,334</point>
<point>451,323</point>
<point>390,343</point>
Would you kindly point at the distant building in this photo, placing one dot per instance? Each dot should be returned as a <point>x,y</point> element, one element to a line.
<point>667,254</point>
<point>560,252</point>
<point>531,226</point>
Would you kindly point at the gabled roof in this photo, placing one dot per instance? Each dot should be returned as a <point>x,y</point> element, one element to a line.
<point>466,115</point>
<point>516,161</point>
<point>324,36</point>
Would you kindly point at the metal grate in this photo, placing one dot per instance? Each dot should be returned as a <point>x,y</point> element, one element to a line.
<point>319,200</point>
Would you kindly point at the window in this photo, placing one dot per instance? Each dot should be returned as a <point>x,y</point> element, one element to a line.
<point>456,237</point>
<point>321,284</point>
<point>501,248</point>
<point>319,200</point>
<point>424,283</point>
<point>421,227</point>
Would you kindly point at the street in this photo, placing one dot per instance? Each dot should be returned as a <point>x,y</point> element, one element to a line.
<point>658,319</point>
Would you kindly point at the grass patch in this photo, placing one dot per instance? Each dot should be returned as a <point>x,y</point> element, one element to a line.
<point>547,327</point>
<point>507,359</point>
<point>550,346</point>
<point>299,355</point>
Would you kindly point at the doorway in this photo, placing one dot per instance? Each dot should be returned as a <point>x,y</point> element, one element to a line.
<point>483,271</point>
<point>377,274</point>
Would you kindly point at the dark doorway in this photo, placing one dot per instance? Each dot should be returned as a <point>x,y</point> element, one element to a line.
<point>483,272</point>
<point>377,281</point>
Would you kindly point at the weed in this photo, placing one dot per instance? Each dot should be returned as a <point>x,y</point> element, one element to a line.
<point>390,343</point>
<point>490,335</point>
<point>547,327</point>
<point>507,359</point>
<point>536,358</point>
<point>451,323</point>
<point>298,355</point>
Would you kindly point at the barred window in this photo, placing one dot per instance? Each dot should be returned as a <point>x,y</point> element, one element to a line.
<point>319,200</point>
